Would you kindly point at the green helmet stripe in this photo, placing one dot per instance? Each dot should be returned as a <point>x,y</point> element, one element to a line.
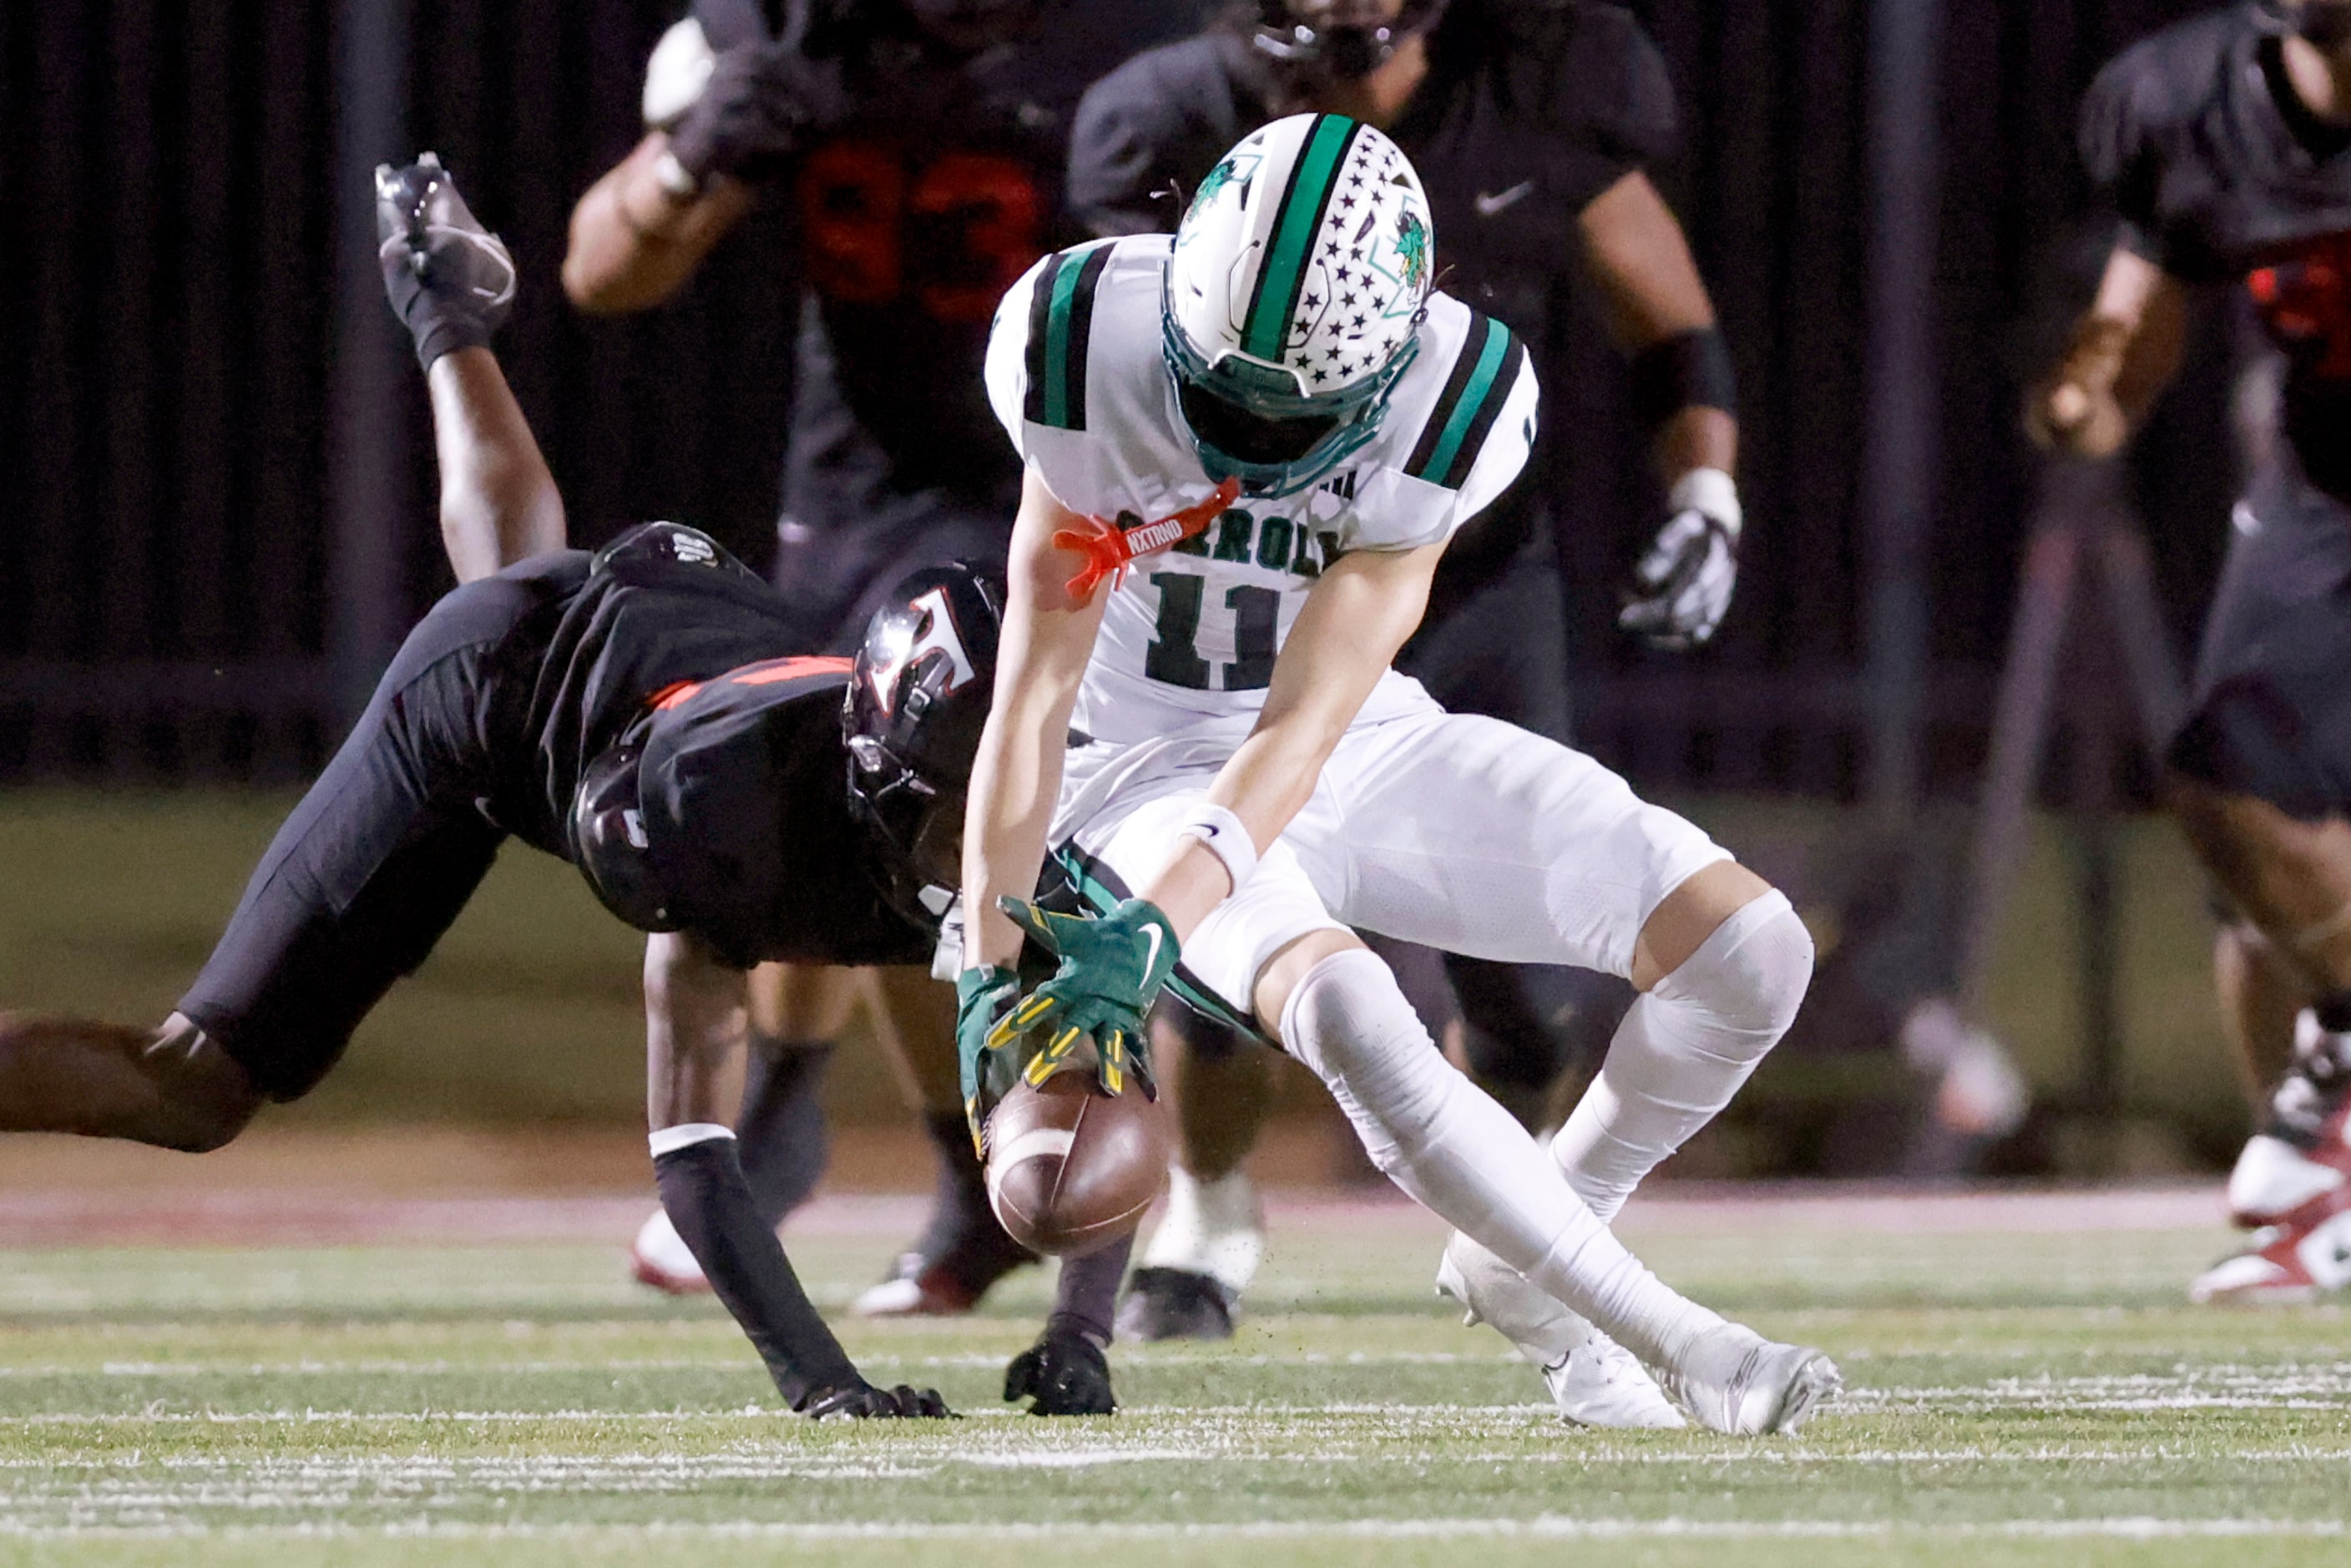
<point>1296,222</point>
<point>1464,412</point>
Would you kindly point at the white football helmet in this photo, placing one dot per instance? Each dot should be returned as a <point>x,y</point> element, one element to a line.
<point>1294,299</point>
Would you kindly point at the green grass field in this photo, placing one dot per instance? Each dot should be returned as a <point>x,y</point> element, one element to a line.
<point>2019,1392</point>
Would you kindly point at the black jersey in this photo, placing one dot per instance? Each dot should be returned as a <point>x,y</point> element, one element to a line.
<point>1522,119</point>
<point>935,184</point>
<point>2219,174</point>
<point>665,642</point>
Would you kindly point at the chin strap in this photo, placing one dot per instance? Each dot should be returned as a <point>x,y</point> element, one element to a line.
<point>1108,548</point>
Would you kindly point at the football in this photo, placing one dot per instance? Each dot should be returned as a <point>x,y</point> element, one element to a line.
<point>1070,1168</point>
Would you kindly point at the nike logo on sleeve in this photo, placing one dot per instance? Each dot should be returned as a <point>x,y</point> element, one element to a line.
<point>1489,203</point>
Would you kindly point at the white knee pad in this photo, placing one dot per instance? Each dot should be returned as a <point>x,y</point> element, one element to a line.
<point>1685,1049</point>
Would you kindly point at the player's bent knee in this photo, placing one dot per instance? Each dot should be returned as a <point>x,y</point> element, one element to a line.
<point>1688,916</point>
<point>205,1096</point>
<point>1749,976</point>
<point>1279,978</point>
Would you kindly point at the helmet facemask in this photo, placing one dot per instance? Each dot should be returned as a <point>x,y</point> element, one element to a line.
<point>1253,422</point>
<point>911,721</point>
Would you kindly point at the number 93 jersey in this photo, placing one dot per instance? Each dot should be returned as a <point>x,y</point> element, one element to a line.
<point>1078,376</point>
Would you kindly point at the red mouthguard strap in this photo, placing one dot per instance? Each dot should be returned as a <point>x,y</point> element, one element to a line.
<point>1107,547</point>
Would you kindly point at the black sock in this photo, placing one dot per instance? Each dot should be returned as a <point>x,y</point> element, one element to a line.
<point>1086,1298</point>
<point>781,1130</point>
<point>961,1221</point>
<point>962,1180</point>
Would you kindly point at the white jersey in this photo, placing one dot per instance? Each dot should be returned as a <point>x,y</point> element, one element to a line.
<point>1077,374</point>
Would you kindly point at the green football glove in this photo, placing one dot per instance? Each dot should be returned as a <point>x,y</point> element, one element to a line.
<point>1112,969</point>
<point>982,997</point>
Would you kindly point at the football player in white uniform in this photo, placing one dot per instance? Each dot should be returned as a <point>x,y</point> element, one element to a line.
<point>1246,449</point>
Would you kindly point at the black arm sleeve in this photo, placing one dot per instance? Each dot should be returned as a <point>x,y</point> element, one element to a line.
<point>706,1196</point>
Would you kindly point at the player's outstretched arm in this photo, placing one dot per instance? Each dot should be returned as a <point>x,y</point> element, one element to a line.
<point>1684,392</point>
<point>1636,253</point>
<point>636,239</point>
<point>2124,352</point>
<point>1047,635</point>
<point>694,1026</point>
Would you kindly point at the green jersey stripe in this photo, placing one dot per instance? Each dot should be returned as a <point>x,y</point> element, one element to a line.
<point>1282,278</point>
<point>1056,349</point>
<point>1457,419</point>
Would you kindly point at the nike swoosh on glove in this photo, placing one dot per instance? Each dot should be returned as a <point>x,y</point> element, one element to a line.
<point>1112,969</point>
<point>1681,589</point>
<point>982,999</point>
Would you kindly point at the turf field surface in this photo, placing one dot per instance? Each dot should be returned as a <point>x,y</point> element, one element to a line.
<point>2025,1386</point>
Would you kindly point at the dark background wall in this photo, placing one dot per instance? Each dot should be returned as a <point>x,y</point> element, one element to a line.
<point>168,286</point>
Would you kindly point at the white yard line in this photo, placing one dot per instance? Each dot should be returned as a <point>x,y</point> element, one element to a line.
<point>1545,1528</point>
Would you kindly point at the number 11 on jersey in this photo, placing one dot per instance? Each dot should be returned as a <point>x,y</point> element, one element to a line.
<point>1174,654</point>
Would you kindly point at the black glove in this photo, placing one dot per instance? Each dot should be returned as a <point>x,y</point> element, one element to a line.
<point>862,1401</point>
<point>1065,1373</point>
<point>451,280</point>
<point>757,109</point>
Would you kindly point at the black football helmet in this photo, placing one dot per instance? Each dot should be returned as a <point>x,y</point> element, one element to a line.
<point>1336,41</point>
<point>916,704</point>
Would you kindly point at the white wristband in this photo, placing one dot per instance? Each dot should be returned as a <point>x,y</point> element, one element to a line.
<point>685,1135</point>
<point>1710,491</point>
<point>1222,832</point>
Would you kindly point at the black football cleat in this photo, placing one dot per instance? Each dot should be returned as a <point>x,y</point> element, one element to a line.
<point>1065,1373</point>
<point>1175,1304</point>
<point>451,281</point>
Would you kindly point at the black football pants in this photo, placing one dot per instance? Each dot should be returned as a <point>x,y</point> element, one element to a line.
<point>377,860</point>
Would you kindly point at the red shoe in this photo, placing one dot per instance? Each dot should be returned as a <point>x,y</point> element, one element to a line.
<point>947,1285</point>
<point>2303,1152</point>
<point>2303,1256</point>
<point>659,1257</point>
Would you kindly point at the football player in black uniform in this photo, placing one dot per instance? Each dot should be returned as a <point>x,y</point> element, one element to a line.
<point>648,714</point>
<point>2224,145</point>
<point>919,145</point>
<point>1531,123</point>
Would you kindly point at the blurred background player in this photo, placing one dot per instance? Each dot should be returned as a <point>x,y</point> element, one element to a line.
<point>1531,123</point>
<point>919,146</point>
<point>2220,143</point>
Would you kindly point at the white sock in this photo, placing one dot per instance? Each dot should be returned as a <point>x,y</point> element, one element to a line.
<point>1209,1227</point>
<point>1452,1147</point>
<point>1684,1050</point>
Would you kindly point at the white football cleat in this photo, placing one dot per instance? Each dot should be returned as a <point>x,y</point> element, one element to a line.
<point>1738,1383</point>
<point>1594,1381</point>
<point>660,1258</point>
<point>2301,1258</point>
